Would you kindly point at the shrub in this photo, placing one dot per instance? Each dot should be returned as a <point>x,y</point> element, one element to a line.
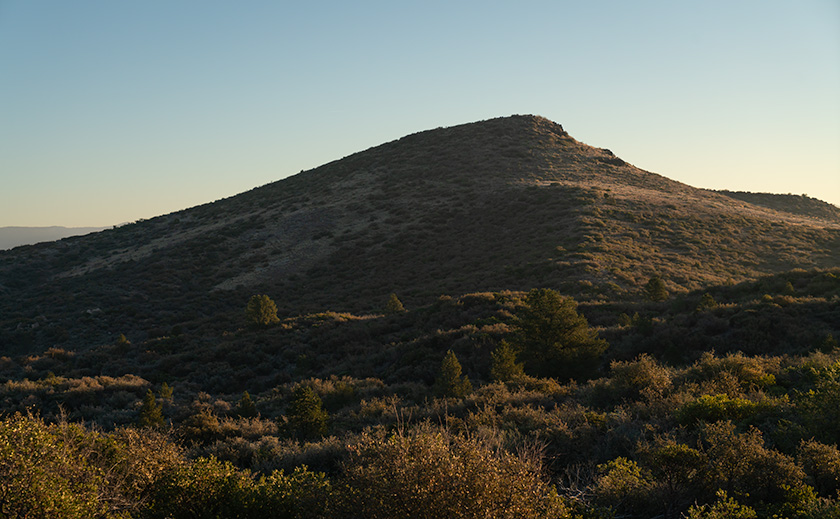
<point>211,488</point>
<point>65,470</point>
<point>740,464</point>
<point>724,508</point>
<point>822,464</point>
<point>623,486</point>
<point>430,473</point>
<point>713,408</point>
<point>632,378</point>
<point>42,475</point>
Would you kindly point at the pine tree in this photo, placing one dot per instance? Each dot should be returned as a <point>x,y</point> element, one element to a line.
<point>307,417</point>
<point>261,310</point>
<point>394,305</point>
<point>449,382</point>
<point>165,391</point>
<point>707,302</point>
<point>554,339</point>
<point>151,413</point>
<point>504,367</point>
<point>655,289</point>
<point>246,407</point>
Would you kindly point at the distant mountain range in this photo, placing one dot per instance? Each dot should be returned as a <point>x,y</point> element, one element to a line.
<point>503,204</point>
<point>11,237</point>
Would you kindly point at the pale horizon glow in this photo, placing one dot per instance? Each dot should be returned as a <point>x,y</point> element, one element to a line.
<point>115,111</point>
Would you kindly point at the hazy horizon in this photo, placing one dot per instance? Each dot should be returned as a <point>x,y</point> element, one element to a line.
<point>119,112</point>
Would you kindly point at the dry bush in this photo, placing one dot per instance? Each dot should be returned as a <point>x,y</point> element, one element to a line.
<point>428,472</point>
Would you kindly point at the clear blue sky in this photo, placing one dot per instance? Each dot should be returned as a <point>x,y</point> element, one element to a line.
<point>112,111</point>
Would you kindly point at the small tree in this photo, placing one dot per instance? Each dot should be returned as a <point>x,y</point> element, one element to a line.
<point>165,391</point>
<point>504,367</point>
<point>394,305</point>
<point>151,413</point>
<point>261,310</point>
<point>246,407</point>
<point>306,414</point>
<point>707,302</point>
<point>449,382</point>
<point>655,289</point>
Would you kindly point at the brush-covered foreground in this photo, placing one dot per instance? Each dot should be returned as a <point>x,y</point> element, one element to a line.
<point>722,403</point>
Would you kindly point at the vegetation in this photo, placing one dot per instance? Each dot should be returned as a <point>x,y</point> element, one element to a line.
<point>394,305</point>
<point>450,382</point>
<point>608,393</point>
<point>151,413</point>
<point>504,367</point>
<point>261,310</point>
<point>556,341</point>
<point>307,418</point>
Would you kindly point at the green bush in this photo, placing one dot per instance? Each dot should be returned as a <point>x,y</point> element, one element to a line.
<point>713,408</point>
<point>43,472</point>
<point>65,470</point>
<point>213,489</point>
<point>623,486</point>
<point>724,508</point>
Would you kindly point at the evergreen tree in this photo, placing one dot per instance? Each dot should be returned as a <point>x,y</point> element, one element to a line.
<point>306,414</point>
<point>504,367</point>
<point>655,289</point>
<point>261,310</point>
<point>707,302</point>
<point>246,407</point>
<point>165,391</point>
<point>829,344</point>
<point>555,340</point>
<point>449,382</point>
<point>394,305</point>
<point>151,413</point>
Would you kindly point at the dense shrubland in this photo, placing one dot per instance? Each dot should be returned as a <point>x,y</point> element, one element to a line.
<point>721,403</point>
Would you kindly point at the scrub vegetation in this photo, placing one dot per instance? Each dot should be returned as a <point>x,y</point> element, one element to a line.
<point>410,332</point>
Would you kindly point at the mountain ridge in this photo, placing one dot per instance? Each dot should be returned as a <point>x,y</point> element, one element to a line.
<point>16,236</point>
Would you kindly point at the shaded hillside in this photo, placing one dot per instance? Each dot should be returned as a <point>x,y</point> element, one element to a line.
<point>795,204</point>
<point>504,204</point>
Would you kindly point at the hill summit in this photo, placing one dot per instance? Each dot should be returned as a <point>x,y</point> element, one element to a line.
<point>504,204</point>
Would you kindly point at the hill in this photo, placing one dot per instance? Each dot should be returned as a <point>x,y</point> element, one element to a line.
<point>504,204</point>
<point>712,393</point>
<point>803,205</point>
